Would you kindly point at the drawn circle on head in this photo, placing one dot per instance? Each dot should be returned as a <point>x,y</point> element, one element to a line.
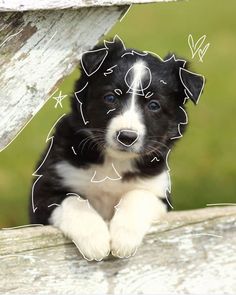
<point>109,98</point>
<point>143,83</point>
<point>153,105</point>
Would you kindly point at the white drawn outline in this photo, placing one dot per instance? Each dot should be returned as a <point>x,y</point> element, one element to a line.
<point>109,70</point>
<point>149,94</point>
<point>111,110</point>
<point>100,64</point>
<point>181,123</point>
<point>116,37</point>
<point>127,11</point>
<point>59,99</point>
<point>9,38</point>
<point>137,81</point>
<point>163,82</point>
<point>22,226</point>
<point>194,47</point>
<point>73,150</point>
<point>118,91</point>
<point>202,52</point>
<point>128,130</point>
<point>155,159</point>
<point>81,104</point>
<point>221,204</point>
<point>51,139</point>
<point>188,91</point>
<point>106,177</point>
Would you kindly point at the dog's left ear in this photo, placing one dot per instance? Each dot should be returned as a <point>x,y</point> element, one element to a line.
<point>193,83</point>
<point>91,61</point>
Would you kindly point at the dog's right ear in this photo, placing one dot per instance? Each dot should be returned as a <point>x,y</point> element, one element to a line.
<point>91,61</point>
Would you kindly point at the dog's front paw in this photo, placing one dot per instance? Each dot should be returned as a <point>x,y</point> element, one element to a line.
<point>95,244</point>
<point>124,240</point>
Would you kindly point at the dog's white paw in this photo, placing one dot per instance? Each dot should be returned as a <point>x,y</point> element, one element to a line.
<point>124,240</point>
<point>95,244</point>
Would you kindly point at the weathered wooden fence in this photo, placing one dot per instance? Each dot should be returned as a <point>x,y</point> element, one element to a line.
<point>192,252</point>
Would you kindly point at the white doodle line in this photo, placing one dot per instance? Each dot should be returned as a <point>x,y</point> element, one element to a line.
<point>116,254</point>
<point>131,131</point>
<point>100,64</point>
<point>181,123</point>
<point>136,87</point>
<point>127,11</point>
<point>74,150</point>
<point>22,226</point>
<point>194,47</point>
<point>105,42</point>
<point>59,99</point>
<point>163,82</point>
<point>155,159</point>
<point>118,91</point>
<point>133,52</point>
<point>111,110</point>
<point>9,38</point>
<point>109,70</point>
<point>106,177</point>
<point>221,204</point>
<point>188,91</point>
<point>49,138</point>
<point>202,52</point>
<point>81,104</point>
<point>54,204</point>
<point>149,94</point>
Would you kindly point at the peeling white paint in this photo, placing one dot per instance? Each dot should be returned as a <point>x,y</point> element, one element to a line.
<point>47,56</point>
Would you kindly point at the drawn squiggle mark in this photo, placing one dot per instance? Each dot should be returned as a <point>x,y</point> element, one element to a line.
<point>106,177</point>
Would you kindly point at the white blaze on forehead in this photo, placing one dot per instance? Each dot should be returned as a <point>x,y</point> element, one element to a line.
<point>138,71</point>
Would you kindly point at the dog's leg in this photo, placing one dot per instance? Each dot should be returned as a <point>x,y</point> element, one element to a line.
<point>132,219</point>
<point>81,223</point>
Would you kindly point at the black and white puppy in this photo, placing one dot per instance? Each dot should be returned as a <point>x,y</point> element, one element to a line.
<point>104,177</point>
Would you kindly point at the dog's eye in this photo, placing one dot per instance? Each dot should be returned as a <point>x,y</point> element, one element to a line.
<point>153,105</point>
<point>110,98</point>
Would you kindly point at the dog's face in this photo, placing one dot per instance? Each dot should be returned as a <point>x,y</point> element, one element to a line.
<point>133,101</point>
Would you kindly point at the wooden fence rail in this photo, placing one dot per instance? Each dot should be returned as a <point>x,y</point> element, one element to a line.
<point>192,252</point>
<point>41,42</point>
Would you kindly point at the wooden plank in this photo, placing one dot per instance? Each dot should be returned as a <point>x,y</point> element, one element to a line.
<point>192,252</point>
<point>23,5</point>
<point>38,49</point>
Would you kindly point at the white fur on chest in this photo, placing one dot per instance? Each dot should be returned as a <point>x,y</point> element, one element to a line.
<point>102,184</point>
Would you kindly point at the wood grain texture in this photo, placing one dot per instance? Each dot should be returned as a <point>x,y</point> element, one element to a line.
<point>37,50</point>
<point>23,5</point>
<point>191,252</point>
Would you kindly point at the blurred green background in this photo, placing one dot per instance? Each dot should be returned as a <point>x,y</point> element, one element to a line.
<point>203,164</point>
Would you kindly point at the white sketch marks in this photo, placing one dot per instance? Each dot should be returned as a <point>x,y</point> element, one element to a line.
<point>36,172</point>
<point>96,179</point>
<point>127,11</point>
<point>196,47</point>
<point>9,38</point>
<point>81,104</point>
<point>59,99</point>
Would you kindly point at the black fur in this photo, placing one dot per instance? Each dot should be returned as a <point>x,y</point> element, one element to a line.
<point>71,131</point>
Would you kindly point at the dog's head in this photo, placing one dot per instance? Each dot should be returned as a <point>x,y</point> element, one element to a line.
<point>132,102</point>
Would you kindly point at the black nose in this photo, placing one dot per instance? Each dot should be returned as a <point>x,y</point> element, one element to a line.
<point>127,137</point>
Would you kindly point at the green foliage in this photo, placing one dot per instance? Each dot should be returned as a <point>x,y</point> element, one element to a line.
<point>202,165</point>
